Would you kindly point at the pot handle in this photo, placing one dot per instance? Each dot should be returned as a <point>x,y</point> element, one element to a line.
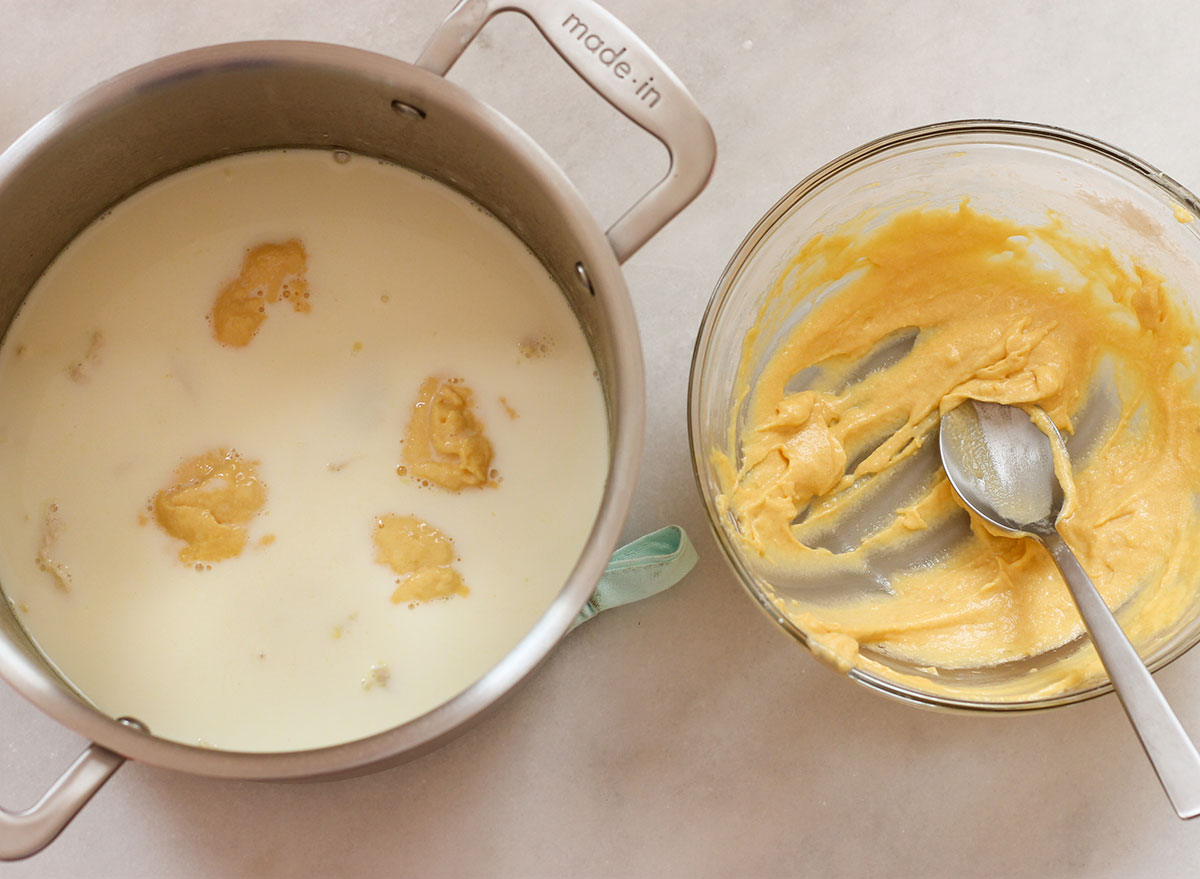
<point>26,833</point>
<point>627,74</point>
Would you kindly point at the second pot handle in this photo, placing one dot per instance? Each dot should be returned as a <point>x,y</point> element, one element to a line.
<point>25,833</point>
<point>627,74</point>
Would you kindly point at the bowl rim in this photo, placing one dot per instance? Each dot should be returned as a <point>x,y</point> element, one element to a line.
<point>1034,132</point>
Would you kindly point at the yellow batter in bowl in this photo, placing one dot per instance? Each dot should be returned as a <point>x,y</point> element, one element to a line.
<point>829,472</point>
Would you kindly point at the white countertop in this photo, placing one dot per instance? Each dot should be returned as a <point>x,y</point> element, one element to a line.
<point>687,735</point>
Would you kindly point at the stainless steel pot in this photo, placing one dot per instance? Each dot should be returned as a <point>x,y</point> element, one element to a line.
<point>188,108</point>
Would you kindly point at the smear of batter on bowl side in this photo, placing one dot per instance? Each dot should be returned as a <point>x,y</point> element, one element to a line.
<point>445,444</point>
<point>214,497</point>
<point>421,556</point>
<point>270,272</point>
<point>994,311</point>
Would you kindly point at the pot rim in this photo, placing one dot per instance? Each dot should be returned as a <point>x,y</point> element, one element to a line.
<point>627,409</point>
<point>1033,132</point>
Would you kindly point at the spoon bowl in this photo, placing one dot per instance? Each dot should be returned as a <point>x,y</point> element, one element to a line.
<point>1002,466</point>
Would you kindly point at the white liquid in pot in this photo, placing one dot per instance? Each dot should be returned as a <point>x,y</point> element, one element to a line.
<point>110,377</point>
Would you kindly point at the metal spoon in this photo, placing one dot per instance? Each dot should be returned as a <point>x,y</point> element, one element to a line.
<point>1002,466</point>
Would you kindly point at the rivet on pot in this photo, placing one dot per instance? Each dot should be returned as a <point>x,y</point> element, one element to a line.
<point>133,723</point>
<point>407,110</point>
<point>583,278</point>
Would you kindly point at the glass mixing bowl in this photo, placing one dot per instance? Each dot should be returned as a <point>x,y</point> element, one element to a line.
<point>1012,170</point>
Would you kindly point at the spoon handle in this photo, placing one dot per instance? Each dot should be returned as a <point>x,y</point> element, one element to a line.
<point>1171,752</point>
